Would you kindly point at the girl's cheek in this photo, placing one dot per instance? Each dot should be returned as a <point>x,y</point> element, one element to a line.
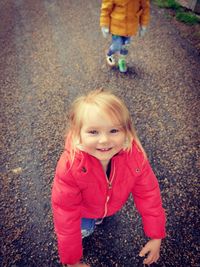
<point>88,143</point>
<point>123,138</point>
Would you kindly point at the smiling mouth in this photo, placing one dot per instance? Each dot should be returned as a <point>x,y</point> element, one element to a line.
<point>104,149</point>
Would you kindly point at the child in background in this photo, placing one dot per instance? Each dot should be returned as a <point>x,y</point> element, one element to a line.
<point>102,164</point>
<point>123,19</point>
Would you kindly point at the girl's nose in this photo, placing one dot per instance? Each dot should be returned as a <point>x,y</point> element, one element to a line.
<point>103,138</point>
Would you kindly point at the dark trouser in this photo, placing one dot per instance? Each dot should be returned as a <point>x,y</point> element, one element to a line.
<point>87,226</point>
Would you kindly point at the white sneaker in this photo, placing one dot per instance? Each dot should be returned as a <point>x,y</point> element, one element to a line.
<point>110,60</point>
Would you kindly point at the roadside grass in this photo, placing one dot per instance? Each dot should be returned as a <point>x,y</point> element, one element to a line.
<point>181,14</point>
<point>168,4</point>
<point>186,21</point>
<point>187,17</point>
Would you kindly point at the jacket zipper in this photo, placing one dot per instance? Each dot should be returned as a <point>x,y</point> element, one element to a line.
<point>109,183</point>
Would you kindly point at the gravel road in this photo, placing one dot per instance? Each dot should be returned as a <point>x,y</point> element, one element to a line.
<point>52,51</point>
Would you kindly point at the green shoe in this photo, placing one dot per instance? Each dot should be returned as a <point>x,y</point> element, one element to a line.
<point>122,65</point>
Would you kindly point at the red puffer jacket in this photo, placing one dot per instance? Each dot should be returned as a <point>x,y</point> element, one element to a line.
<point>83,190</point>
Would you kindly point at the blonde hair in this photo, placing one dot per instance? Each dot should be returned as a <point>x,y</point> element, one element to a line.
<point>111,106</point>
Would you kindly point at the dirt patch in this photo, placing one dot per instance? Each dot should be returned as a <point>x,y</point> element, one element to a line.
<point>189,32</point>
<point>192,33</point>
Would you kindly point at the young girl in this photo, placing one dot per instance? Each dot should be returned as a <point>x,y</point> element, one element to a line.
<point>103,162</point>
<point>123,19</point>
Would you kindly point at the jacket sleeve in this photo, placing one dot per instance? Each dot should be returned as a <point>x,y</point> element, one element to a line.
<point>106,9</point>
<point>66,203</point>
<point>147,198</point>
<point>145,16</point>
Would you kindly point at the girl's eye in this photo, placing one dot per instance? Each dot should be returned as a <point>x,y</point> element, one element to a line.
<point>114,131</point>
<point>93,132</point>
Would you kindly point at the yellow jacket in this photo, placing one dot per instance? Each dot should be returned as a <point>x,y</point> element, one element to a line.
<point>123,17</point>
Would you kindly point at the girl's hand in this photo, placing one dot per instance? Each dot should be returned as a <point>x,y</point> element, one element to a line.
<point>105,31</point>
<point>142,31</point>
<point>78,265</point>
<point>152,248</point>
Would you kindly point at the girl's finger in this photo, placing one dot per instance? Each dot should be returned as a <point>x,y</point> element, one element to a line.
<point>150,259</point>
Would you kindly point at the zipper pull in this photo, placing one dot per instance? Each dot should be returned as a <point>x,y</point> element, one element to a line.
<point>109,185</point>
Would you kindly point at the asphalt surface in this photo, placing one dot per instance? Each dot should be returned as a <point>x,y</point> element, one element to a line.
<point>52,51</point>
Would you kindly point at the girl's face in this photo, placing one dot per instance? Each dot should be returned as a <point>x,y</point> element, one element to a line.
<point>100,136</point>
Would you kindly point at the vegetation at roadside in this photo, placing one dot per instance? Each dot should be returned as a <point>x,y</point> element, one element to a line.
<point>187,17</point>
<point>168,4</point>
<point>182,14</point>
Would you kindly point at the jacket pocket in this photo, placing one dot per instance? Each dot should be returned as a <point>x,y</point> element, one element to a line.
<point>121,194</point>
<point>92,195</point>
